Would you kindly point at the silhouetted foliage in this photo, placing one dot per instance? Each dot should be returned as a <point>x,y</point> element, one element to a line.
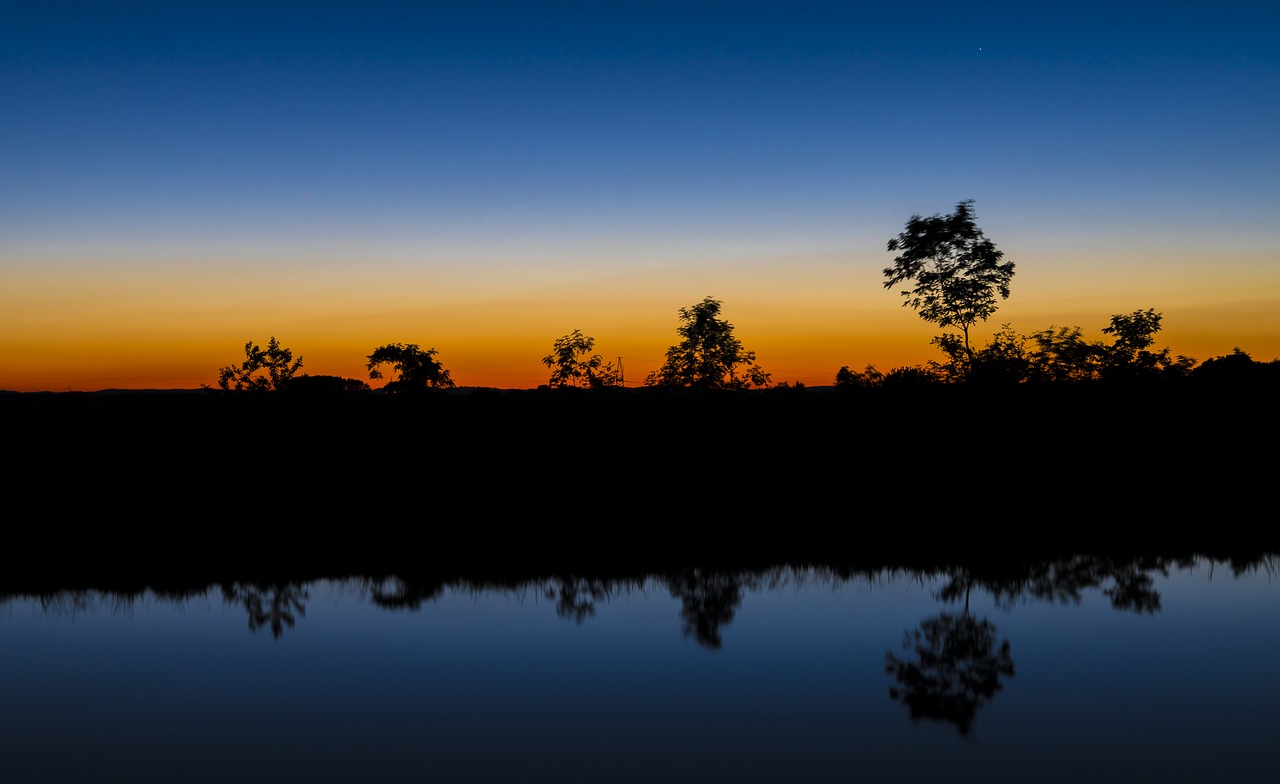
<point>262,369</point>
<point>1128,358</point>
<point>1002,361</point>
<point>956,270</point>
<point>1061,355</point>
<point>1236,368</point>
<point>910,376</point>
<point>851,379</point>
<point>416,368</point>
<point>785,388</point>
<point>571,366</point>
<point>306,384</point>
<point>709,356</point>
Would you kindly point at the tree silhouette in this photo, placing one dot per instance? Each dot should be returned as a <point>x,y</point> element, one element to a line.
<point>709,356</point>
<point>416,368</point>
<point>1061,354</point>
<point>262,369</point>
<point>1002,361</point>
<point>956,270</point>
<point>852,379</point>
<point>307,384</point>
<point>1128,358</point>
<point>1237,368</point>
<point>570,365</point>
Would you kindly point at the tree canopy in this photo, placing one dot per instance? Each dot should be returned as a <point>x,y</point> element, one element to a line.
<point>572,367</point>
<point>708,356</point>
<point>1057,355</point>
<point>262,370</point>
<point>1128,358</point>
<point>955,270</point>
<point>414,366</point>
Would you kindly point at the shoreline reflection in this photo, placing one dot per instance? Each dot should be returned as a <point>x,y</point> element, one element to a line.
<point>709,598</point>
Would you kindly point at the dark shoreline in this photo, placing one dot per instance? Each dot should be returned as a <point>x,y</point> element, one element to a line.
<point>569,480</point>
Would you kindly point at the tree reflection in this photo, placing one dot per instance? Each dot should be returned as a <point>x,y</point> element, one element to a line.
<point>957,668</point>
<point>576,597</point>
<point>708,602</point>
<point>1134,589</point>
<point>1064,581</point>
<point>273,606</point>
<point>399,593</point>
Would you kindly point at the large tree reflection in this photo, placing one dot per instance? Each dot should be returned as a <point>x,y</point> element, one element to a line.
<point>954,667</point>
<point>958,665</point>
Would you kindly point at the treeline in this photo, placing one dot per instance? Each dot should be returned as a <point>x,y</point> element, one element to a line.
<point>710,358</point>
<point>954,277</point>
<point>1061,355</point>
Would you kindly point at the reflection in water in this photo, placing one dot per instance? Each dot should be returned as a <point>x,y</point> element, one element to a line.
<point>576,597</point>
<point>1130,581</point>
<point>957,667</point>
<point>399,593</point>
<point>1134,589</point>
<point>273,606</point>
<point>709,599</point>
<point>486,677</point>
<point>708,602</point>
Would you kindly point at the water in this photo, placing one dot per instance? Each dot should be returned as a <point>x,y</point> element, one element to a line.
<point>1076,670</point>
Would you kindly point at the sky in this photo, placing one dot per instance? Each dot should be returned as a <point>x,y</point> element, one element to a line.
<point>481,178</point>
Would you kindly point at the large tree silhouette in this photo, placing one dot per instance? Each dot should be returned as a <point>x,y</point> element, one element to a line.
<point>708,356</point>
<point>415,367</point>
<point>955,270</point>
<point>572,363</point>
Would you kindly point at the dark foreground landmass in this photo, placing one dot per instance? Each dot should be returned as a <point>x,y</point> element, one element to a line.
<point>126,482</point>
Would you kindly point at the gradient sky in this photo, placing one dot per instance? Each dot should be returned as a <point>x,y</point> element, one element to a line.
<point>483,177</point>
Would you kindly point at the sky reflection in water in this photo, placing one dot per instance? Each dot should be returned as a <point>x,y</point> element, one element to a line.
<point>765,676</point>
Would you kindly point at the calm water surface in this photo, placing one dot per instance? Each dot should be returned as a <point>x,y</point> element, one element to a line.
<point>1121,673</point>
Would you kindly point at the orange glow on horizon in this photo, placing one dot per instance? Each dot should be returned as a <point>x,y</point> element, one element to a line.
<point>81,326</point>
